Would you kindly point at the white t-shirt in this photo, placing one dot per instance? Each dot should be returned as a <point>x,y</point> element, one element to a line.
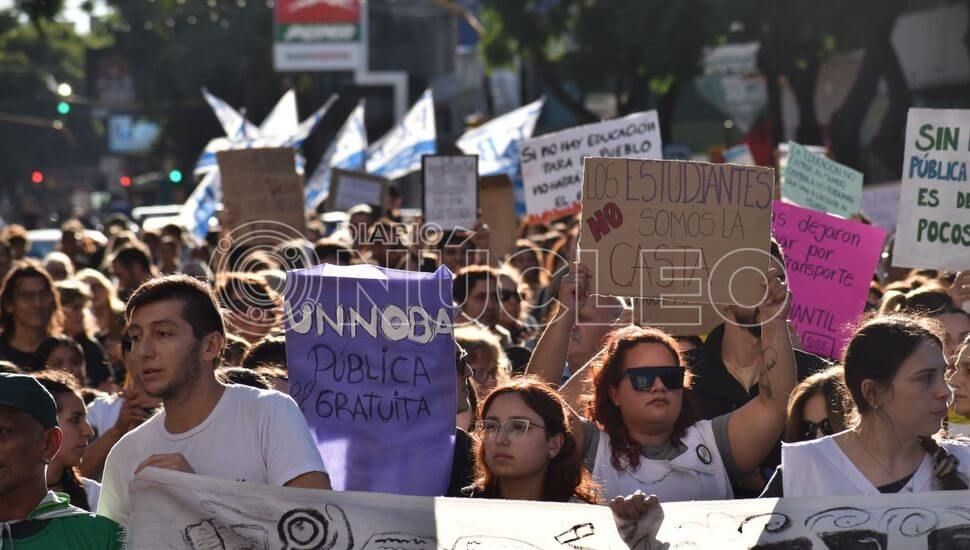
<point>253,435</point>
<point>92,489</point>
<point>103,412</point>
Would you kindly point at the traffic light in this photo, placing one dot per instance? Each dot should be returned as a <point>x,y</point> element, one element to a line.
<point>37,177</point>
<point>63,108</point>
<point>175,176</point>
<point>125,181</point>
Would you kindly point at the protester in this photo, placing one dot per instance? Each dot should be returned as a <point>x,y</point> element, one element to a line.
<point>169,255</point>
<point>61,353</point>
<point>62,473</point>
<point>30,312</point>
<point>105,304</point>
<point>79,324</point>
<point>32,517</point>
<point>818,406</point>
<point>6,258</point>
<point>894,370</point>
<point>59,266</point>
<point>490,366</point>
<point>269,350</point>
<point>231,432</point>
<point>513,317</point>
<point>527,258</point>
<point>463,461</point>
<point>455,249</point>
<point>958,378</point>
<point>131,266</point>
<point>252,308</point>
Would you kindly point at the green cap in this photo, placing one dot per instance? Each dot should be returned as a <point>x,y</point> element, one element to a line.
<point>25,393</point>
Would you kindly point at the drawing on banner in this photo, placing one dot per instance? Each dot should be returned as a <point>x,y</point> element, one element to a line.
<point>817,182</point>
<point>402,541</point>
<point>933,228</point>
<point>683,231</point>
<point>349,188</point>
<point>450,191</point>
<point>552,165</point>
<point>829,262</point>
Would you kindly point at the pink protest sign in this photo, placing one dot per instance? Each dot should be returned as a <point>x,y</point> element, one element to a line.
<point>830,262</point>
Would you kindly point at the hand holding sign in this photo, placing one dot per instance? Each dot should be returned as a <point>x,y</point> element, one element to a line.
<point>777,303</point>
<point>574,289</point>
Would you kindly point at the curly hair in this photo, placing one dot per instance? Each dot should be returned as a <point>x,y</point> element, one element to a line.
<point>565,476</point>
<point>608,373</point>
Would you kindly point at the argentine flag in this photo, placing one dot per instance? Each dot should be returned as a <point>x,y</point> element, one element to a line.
<point>497,145</point>
<point>399,152</point>
<point>347,151</point>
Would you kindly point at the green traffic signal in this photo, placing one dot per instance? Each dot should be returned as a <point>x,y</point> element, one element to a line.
<point>175,176</point>
<point>63,107</point>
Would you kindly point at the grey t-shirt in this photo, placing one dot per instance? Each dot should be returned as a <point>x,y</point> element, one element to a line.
<point>669,450</point>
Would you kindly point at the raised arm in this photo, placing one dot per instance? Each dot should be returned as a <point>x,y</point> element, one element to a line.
<point>754,429</point>
<point>549,357</point>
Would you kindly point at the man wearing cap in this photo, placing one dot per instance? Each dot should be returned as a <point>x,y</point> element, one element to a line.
<point>32,517</point>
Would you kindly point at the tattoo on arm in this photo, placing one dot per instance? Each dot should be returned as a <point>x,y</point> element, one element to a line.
<point>764,382</point>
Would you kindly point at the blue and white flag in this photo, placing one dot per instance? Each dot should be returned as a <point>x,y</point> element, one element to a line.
<point>399,152</point>
<point>302,131</point>
<point>347,151</point>
<point>202,204</point>
<point>233,124</point>
<point>497,145</point>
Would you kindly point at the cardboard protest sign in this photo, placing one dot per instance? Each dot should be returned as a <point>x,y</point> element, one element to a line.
<point>936,519</point>
<point>552,165</point>
<point>677,318</point>
<point>497,198</point>
<point>830,263</point>
<point>371,358</point>
<point>817,182</point>
<point>261,185</point>
<point>177,510</point>
<point>934,205</point>
<point>349,188</point>
<point>683,231</point>
<point>450,190</point>
<point>881,203</point>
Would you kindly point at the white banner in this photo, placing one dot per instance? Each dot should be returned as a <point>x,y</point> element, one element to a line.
<point>933,229</point>
<point>176,510</point>
<point>552,165</point>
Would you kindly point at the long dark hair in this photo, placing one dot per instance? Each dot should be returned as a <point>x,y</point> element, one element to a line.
<point>565,476</point>
<point>23,270</point>
<point>876,352</point>
<point>59,383</point>
<point>608,373</point>
<point>830,385</point>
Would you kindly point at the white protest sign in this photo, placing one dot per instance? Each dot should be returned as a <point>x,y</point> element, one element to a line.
<point>881,203</point>
<point>816,182</point>
<point>933,230</point>
<point>176,510</point>
<point>552,165</point>
<point>352,188</point>
<point>903,520</point>
<point>450,190</point>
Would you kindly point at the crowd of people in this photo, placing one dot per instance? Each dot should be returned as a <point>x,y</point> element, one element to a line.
<point>158,350</point>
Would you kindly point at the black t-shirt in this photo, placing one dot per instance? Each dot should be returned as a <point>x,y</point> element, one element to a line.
<point>462,465</point>
<point>22,359</point>
<point>95,361</point>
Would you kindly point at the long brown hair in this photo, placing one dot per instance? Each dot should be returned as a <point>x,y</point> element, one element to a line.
<point>608,373</point>
<point>565,476</point>
<point>26,269</point>
<point>831,385</point>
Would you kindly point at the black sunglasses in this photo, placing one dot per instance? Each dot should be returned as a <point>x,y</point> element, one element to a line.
<point>642,378</point>
<point>810,429</point>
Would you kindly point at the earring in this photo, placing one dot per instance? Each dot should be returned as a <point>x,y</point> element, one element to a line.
<point>47,460</point>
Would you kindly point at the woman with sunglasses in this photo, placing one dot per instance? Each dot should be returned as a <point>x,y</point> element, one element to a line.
<point>651,440</point>
<point>894,370</point>
<point>818,406</point>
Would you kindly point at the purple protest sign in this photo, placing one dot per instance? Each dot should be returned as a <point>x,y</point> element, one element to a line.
<point>830,262</point>
<point>371,360</point>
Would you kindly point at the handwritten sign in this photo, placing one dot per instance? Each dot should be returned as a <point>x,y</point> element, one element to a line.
<point>817,182</point>
<point>261,185</point>
<point>217,514</point>
<point>934,205</point>
<point>348,189</point>
<point>552,165</point>
<point>450,190</point>
<point>676,318</point>
<point>370,352</point>
<point>497,198</point>
<point>830,263</point>
<point>881,203</point>
<point>684,231</point>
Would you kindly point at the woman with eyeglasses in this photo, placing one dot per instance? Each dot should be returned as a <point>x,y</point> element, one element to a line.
<point>30,312</point>
<point>525,450</point>
<point>818,406</point>
<point>642,433</point>
<point>894,370</point>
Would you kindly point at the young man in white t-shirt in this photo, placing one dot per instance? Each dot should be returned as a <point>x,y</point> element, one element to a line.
<point>206,427</point>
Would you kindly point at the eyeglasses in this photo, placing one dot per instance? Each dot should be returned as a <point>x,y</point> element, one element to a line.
<point>810,429</point>
<point>642,378</point>
<point>506,295</point>
<point>482,375</point>
<point>513,429</point>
